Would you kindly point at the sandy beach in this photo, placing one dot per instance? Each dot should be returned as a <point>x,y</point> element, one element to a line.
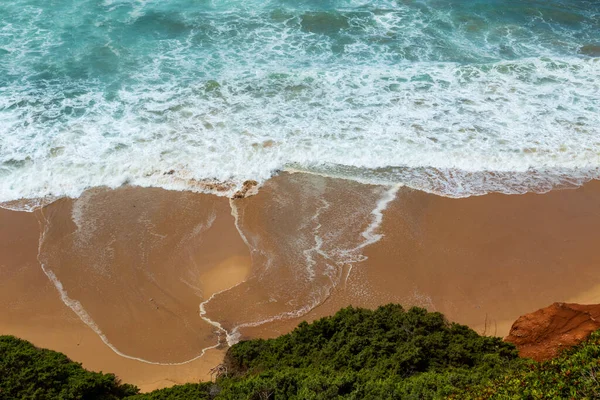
<point>135,280</point>
<point>176,177</point>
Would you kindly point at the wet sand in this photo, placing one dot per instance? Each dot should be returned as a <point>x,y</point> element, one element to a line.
<point>482,261</point>
<point>135,273</point>
<point>137,267</point>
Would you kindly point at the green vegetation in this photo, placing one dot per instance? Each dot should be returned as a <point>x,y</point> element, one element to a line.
<point>27,372</point>
<point>189,391</point>
<point>388,353</point>
<point>575,374</point>
<point>359,353</point>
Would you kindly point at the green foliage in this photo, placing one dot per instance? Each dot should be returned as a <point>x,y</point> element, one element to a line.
<point>27,372</point>
<point>388,341</point>
<point>360,353</point>
<point>575,374</point>
<point>197,391</point>
<point>388,353</point>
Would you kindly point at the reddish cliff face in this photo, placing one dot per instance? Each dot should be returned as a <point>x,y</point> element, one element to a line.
<point>543,334</point>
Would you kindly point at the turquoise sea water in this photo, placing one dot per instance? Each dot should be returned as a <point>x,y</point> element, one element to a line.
<point>456,97</point>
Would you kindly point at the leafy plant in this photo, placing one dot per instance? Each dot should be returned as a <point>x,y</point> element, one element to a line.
<point>27,372</point>
<point>387,353</point>
<point>575,374</point>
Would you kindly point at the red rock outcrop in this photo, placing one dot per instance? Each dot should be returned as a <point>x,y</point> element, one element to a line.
<point>543,334</point>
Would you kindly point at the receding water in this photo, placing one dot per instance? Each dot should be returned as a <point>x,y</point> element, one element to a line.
<point>457,97</point>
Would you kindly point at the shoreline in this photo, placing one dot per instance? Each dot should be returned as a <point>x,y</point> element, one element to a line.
<point>442,182</point>
<point>140,261</point>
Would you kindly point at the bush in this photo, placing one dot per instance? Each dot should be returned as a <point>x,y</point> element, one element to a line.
<point>388,353</point>
<point>575,374</point>
<point>27,372</point>
<point>359,353</point>
<point>197,391</point>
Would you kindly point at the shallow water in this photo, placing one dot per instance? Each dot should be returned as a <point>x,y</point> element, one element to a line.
<point>452,97</point>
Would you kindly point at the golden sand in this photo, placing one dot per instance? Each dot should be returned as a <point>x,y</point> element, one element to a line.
<point>482,261</point>
<point>122,275</point>
<point>225,275</point>
<point>139,271</point>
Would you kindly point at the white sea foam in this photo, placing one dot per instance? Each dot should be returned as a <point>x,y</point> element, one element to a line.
<point>230,339</point>
<point>27,205</point>
<point>459,108</point>
<point>370,234</point>
<point>234,336</point>
<point>236,219</point>
<point>316,249</point>
<point>490,124</point>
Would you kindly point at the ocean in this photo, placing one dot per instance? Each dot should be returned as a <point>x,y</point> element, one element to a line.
<point>456,97</point>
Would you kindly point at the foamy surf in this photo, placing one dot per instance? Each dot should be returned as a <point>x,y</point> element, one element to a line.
<point>458,100</point>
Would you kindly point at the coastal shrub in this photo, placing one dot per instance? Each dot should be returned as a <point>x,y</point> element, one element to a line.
<point>388,341</point>
<point>27,372</point>
<point>197,391</point>
<point>387,353</point>
<point>575,374</point>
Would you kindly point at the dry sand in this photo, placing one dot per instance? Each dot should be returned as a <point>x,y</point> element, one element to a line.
<point>139,262</point>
